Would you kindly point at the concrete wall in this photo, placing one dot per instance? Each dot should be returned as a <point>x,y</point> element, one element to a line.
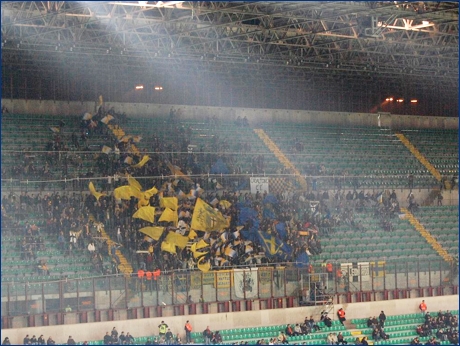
<point>220,321</point>
<point>254,116</point>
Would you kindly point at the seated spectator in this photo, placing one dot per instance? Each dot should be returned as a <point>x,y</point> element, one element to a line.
<point>282,338</point>
<point>415,341</point>
<point>330,339</point>
<point>288,331</point>
<point>297,330</point>
<point>341,340</point>
<point>325,318</point>
<point>217,338</point>
<point>311,324</point>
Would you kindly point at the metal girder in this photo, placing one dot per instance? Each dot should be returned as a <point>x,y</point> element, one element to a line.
<point>298,40</point>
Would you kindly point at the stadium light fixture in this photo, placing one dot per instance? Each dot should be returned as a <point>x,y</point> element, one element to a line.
<point>139,87</point>
<point>159,88</point>
<point>400,100</point>
<point>413,101</point>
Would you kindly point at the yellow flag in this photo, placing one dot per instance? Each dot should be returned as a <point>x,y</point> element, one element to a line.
<point>194,248</point>
<point>87,116</point>
<point>177,239</point>
<point>201,244</point>
<point>106,149</point>
<point>125,192</point>
<point>171,248</point>
<point>153,232</point>
<point>106,119</point>
<point>55,129</point>
<point>205,218</point>
<point>93,191</point>
<point>176,171</point>
<point>143,202</point>
<point>142,162</point>
<point>125,138</point>
<point>169,202</point>
<point>198,254</point>
<point>204,264</point>
<point>145,213</point>
<point>225,204</point>
<point>169,215</point>
<point>137,139</point>
<point>149,193</point>
<point>134,183</point>
<point>192,234</point>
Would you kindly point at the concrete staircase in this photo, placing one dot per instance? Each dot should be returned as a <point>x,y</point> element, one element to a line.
<point>419,156</point>
<point>281,157</point>
<point>425,234</point>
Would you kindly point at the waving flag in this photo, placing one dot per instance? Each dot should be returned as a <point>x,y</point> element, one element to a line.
<point>142,162</point>
<point>153,232</point>
<point>145,213</point>
<point>170,216</point>
<point>107,119</point>
<point>169,202</point>
<point>126,192</point>
<point>203,264</point>
<point>274,247</point>
<point>178,240</point>
<point>168,247</point>
<point>206,218</point>
<point>106,149</point>
<point>176,171</point>
<point>302,260</point>
<point>93,191</point>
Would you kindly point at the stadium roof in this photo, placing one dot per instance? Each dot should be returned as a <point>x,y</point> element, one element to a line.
<point>407,47</point>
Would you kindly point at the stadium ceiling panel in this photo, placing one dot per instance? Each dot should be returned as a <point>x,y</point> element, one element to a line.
<point>414,42</point>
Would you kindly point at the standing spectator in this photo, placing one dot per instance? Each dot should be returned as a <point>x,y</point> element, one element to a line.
<point>341,315</point>
<point>207,336</point>
<point>422,307</point>
<point>6,341</point>
<point>169,337</point>
<point>114,334</point>
<point>26,340</point>
<point>188,332</point>
<point>163,327</point>
<point>71,341</point>
<point>50,341</point>
<point>382,318</point>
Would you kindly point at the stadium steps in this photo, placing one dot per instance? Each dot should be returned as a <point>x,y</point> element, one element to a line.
<point>429,238</point>
<point>124,266</point>
<point>419,156</point>
<point>281,157</point>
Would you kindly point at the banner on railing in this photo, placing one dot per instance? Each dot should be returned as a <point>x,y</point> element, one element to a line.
<point>245,283</point>
<point>223,279</point>
<point>356,271</point>
<point>377,269</point>
<point>259,184</point>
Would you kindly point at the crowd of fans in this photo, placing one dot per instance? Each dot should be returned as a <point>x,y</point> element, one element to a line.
<point>443,326</point>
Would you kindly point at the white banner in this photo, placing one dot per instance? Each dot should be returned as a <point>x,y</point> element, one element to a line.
<point>259,184</point>
<point>245,283</point>
<point>356,271</point>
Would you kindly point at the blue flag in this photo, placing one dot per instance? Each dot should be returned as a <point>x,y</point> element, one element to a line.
<point>281,229</point>
<point>219,168</point>
<point>302,260</point>
<point>270,199</point>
